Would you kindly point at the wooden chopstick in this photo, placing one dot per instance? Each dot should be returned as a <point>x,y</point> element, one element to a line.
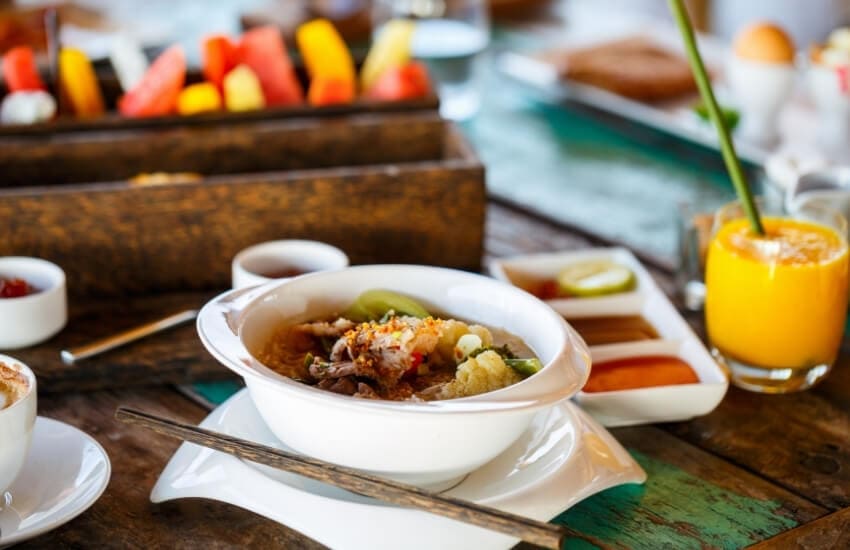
<point>535,532</point>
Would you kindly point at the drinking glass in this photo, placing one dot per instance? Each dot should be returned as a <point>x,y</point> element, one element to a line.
<point>693,230</point>
<point>450,37</point>
<point>776,304</point>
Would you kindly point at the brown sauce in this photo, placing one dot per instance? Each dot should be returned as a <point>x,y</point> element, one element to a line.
<point>614,329</point>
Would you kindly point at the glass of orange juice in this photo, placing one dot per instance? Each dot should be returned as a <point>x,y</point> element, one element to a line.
<point>776,304</point>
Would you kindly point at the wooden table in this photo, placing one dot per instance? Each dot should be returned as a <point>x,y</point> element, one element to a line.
<point>772,470</point>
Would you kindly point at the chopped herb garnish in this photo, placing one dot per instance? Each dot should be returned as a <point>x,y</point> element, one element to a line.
<point>385,318</point>
<point>525,367</point>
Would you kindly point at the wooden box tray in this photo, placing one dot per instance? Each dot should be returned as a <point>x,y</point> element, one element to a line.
<point>390,188</point>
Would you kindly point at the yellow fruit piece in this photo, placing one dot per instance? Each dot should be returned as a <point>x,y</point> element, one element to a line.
<point>391,49</point>
<point>78,83</point>
<point>324,52</point>
<point>242,90</point>
<point>198,98</point>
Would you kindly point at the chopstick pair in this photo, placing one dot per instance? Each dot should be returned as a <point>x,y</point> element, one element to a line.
<point>535,532</point>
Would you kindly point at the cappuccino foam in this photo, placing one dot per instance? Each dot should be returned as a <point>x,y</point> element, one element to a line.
<point>13,386</point>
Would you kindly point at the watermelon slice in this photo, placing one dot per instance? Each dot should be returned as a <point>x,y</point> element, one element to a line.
<point>157,93</point>
<point>409,81</point>
<point>263,50</point>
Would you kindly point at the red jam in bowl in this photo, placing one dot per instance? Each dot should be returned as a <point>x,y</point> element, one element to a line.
<point>15,288</point>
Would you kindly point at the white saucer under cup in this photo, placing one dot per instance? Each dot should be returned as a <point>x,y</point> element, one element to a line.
<point>66,471</point>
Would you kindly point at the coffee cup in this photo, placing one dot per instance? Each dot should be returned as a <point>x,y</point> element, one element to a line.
<point>18,398</point>
<point>274,260</point>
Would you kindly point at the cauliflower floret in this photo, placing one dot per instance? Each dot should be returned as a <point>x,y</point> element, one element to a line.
<point>483,373</point>
<point>451,331</point>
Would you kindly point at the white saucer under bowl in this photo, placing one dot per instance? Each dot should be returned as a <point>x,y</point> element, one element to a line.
<point>564,457</point>
<point>66,471</point>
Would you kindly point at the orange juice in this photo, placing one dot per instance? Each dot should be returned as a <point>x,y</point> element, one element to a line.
<point>778,300</point>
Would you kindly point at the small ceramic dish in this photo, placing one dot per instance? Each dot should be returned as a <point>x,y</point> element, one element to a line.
<point>522,271</point>
<point>428,443</point>
<point>32,319</point>
<point>676,338</point>
<point>264,262</point>
<point>17,417</point>
<point>561,458</point>
<point>660,403</point>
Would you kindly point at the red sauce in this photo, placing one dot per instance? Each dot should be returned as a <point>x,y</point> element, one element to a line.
<point>15,288</point>
<point>639,372</point>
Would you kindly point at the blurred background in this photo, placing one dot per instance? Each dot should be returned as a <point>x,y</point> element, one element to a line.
<point>619,170</point>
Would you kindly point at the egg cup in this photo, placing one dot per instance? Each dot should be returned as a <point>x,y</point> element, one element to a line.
<point>760,90</point>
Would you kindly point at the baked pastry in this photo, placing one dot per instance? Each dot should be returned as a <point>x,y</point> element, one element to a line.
<point>634,67</point>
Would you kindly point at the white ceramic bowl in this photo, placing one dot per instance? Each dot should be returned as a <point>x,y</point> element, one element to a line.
<point>304,256</point>
<point>16,425</point>
<point>32,319</point>
<point>429,443</point>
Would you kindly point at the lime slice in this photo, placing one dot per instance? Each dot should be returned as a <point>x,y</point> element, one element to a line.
<point>596,278</point>
<point>373,304</point>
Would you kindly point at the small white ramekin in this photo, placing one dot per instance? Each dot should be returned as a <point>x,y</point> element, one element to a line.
<point>32,319</point>
<point>16,425</point>
<point>300,255</point>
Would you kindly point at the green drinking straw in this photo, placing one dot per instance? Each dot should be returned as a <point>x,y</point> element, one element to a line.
<point>730,157</point>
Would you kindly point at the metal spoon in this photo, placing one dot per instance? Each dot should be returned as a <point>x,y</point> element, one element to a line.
<point>71,356</point>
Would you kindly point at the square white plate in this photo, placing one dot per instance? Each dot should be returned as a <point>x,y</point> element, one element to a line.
<point>637,406</point>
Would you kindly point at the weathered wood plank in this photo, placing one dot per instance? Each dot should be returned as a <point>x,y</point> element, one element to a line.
<point>691,500</point>
<point>798,441</point>
<point>124,517</point>
<point>832,531</point>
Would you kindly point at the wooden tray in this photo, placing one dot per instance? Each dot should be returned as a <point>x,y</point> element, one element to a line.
<point>112,120</point>
<point>406,188</point>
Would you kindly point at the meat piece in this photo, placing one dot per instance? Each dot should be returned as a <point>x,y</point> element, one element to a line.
<point>344,386</point>
<point>385,351</point>
<point>323,370</point>
<point>365,391</point>
<point>326,329</point>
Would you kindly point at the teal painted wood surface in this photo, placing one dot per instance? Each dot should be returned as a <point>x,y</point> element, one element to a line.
<point>616,180</point>
<point>673,509</point>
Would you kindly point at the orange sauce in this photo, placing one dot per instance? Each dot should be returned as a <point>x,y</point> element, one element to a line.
<point>639,372</point>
